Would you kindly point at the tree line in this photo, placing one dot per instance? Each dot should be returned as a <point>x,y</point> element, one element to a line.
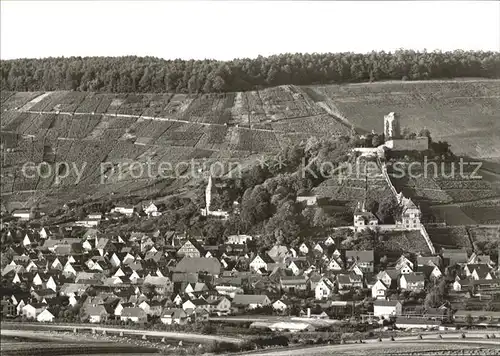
<point>150,74</point>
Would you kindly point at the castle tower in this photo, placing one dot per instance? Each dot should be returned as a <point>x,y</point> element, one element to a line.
<point>391,126</point>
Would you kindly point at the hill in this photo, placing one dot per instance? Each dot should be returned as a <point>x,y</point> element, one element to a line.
<point>86,129</point>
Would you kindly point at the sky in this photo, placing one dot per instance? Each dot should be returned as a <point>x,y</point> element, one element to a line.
<point>225,30</point>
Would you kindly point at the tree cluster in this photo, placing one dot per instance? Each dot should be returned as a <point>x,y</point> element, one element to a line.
<point>150,74</point>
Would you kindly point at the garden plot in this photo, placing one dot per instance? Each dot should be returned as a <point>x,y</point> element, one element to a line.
<point>8,117</point>
<point>83,125</point>
<point>449,237</point>
<point>214,137</point>
<point>176,106</point>
<point>89,104</point>
<point>70,101</point>
<point>87,154</point>
<point>290,139</point>
<point>104,102</point>
<point>484,233</point>
<point>48,102</point>
<point>254,141</point>
<point>403,241</point>
<point>30,124</point>
<point>123,149</point>
<point>107,124</point>
<point>181,135</point>
<point>221,110</point>
<point>157,104</point>
<point>18,100</point>
<point>135,104</point>
<point>239,110</point>
<point>255,112</point>
<point>315,125</point>
<point>4,95</point>
<point>284,102</point>
<point>200,109</point>
<point>483,214</point>
<point>7,177</point>
<point>17,122</point>
<point>59,127</point>
<point>116,102</point>
<point>9,140</point>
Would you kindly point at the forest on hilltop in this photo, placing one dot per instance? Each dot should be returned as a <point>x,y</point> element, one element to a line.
<point>149,74</point>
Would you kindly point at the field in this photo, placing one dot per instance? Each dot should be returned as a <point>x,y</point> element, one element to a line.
<point>92,128</point>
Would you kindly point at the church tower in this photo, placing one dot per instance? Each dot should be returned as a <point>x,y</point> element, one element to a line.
<point>208,194</point>
<point>391,126</point>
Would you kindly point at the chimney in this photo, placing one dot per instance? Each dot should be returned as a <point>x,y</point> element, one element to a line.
<point>308,312</point>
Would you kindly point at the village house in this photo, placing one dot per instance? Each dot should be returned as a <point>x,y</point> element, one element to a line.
<point>250,301</point>
<point>414,282</point>
<point>324,289</point>
<point>171,316</point>
<point>309,200</point>
<point>387,308</point>
<point>349,281</point>
<point>379,290</point>
<point>127,210</point>
<point>238,239</point>
<point>32,310</point>
<point>410,213</point>
<point>96,314</point>
<point>45,317</point>
<point>191,248</point>
<point>23,214</point>
<point>280,305</point>
<point>293,284</point>
<point>134,314</point>
<point>151,210</point>
<point>364,219</point>
<point>261,261</point>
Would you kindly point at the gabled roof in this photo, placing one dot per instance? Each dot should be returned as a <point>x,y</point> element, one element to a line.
<point>414,277</point>
<point>199,264</point>
<point>265,257</point>
<point>285,280</point>
<point>246,299</point>
<point>96,310</point>
<point>132,312</point>
<point>386,303</point>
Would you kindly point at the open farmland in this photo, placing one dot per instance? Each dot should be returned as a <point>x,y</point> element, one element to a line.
<point>464,113</point>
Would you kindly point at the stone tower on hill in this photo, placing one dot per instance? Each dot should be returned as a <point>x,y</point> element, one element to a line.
<point>391,126</point>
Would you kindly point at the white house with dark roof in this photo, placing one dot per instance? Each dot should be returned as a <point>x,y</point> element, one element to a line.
<point>410,213</point>
<point>387,308</point>
<point>414,282</point>
<point>250,301</point>
<point>324,289</point>
<point>379,290</point>
<point>261,261</point>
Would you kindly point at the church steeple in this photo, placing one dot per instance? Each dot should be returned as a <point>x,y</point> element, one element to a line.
<point>208,194</point>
